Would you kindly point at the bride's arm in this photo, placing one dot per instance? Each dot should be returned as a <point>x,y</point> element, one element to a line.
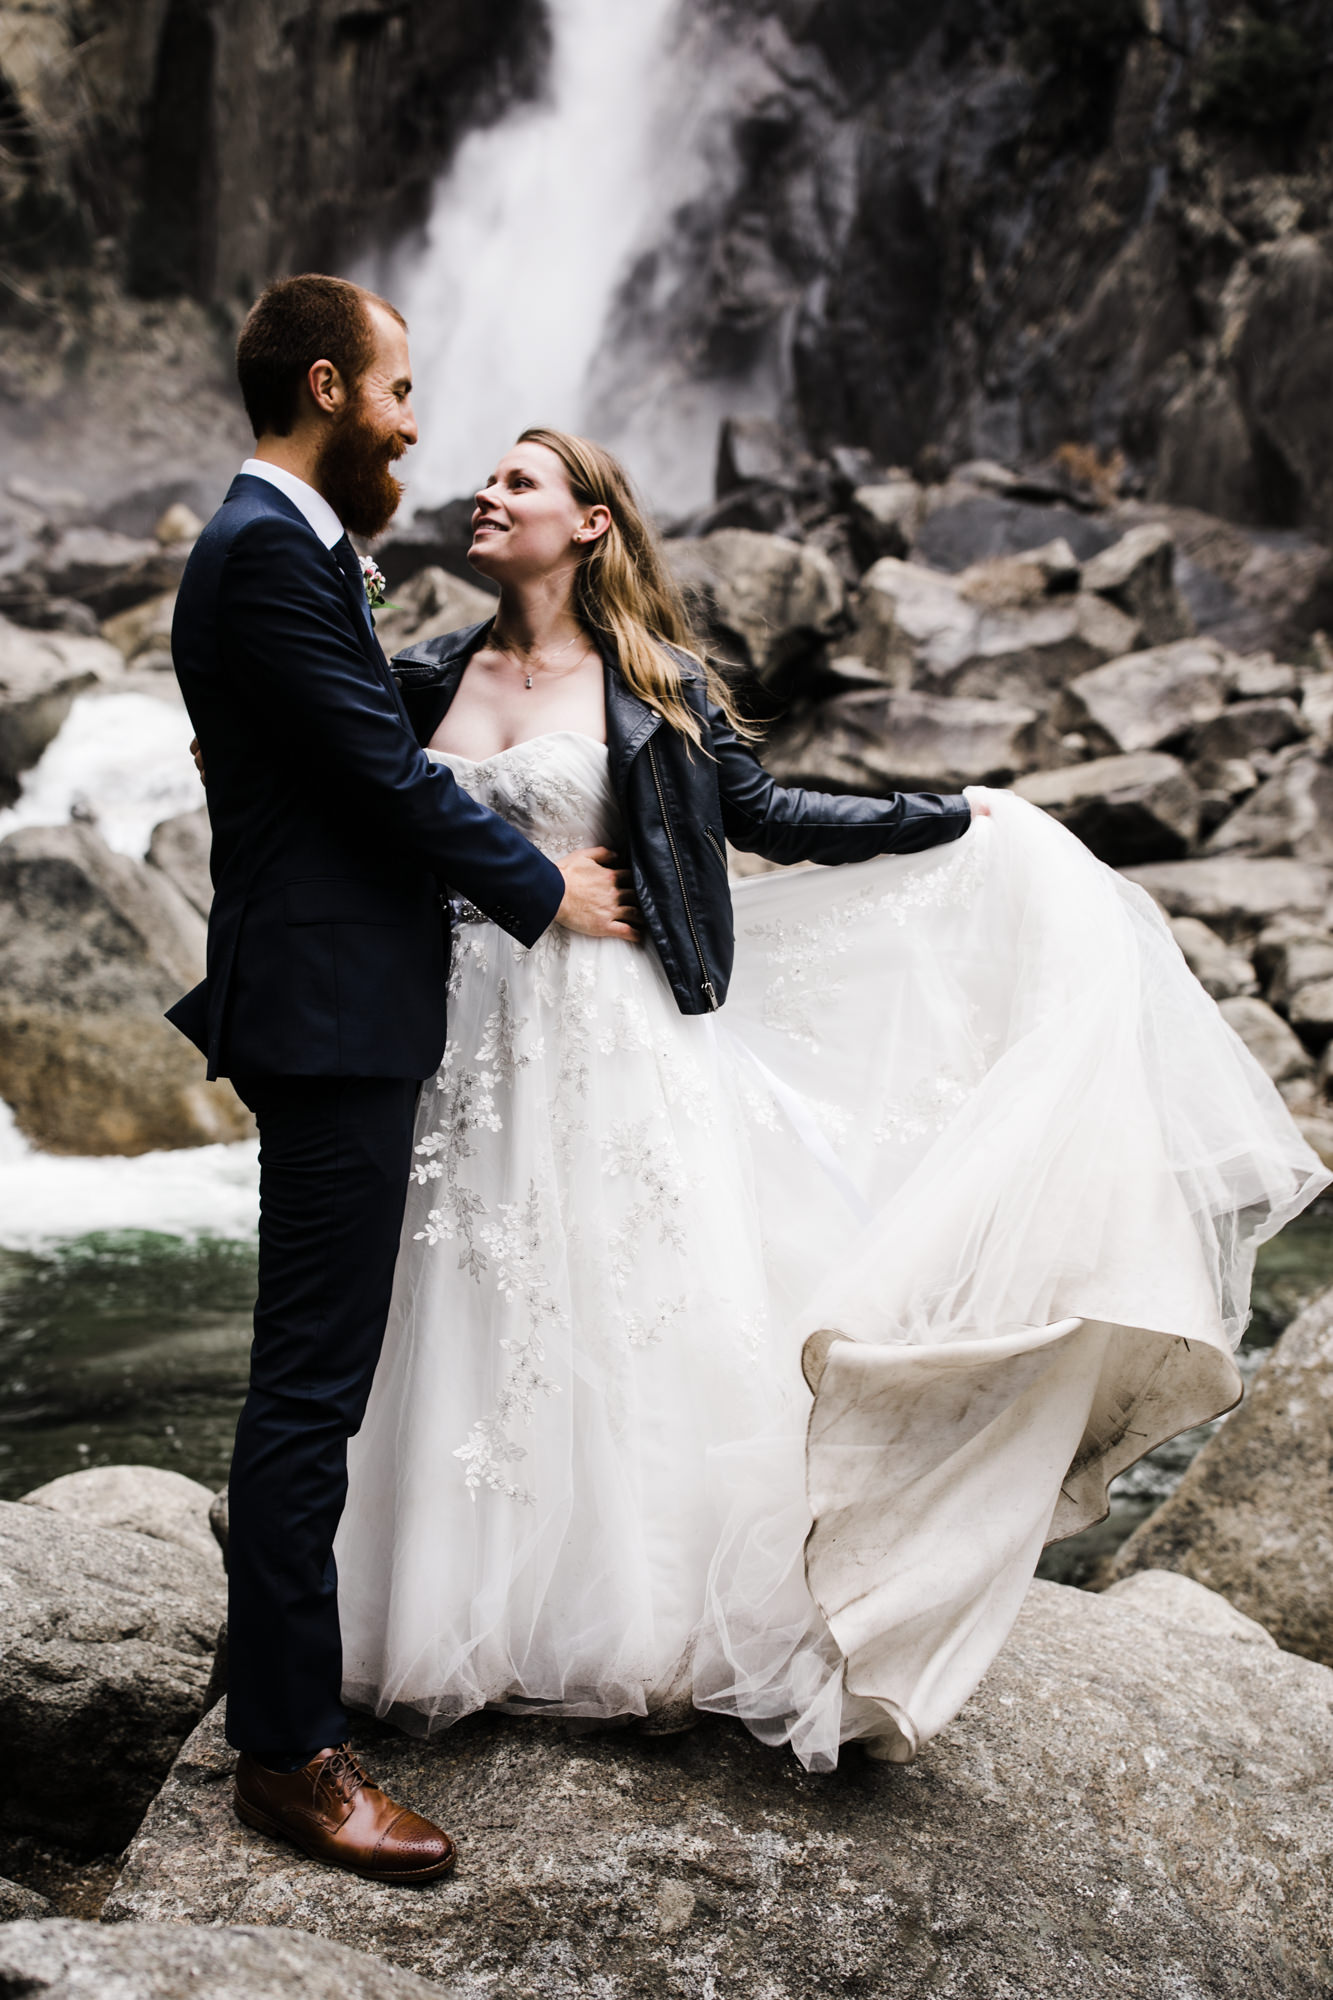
<point>789,823</point>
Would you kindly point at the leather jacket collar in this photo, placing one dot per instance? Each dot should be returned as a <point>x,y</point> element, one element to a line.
<point>435,666</point>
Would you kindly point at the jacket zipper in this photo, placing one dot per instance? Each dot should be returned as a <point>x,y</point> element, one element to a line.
<point>707,986</point>
<point>717,845</point>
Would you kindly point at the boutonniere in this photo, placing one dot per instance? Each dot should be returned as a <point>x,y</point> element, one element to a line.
<point>375,581</point>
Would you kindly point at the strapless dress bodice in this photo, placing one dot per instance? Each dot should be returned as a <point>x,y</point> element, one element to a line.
<point>555,788</point>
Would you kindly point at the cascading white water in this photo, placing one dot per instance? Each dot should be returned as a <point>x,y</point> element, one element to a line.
<point>121,761</point>
<point>46,1198</point>
<point>529,236</point>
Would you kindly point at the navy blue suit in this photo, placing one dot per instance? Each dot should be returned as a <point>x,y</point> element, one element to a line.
<point>333,840</point>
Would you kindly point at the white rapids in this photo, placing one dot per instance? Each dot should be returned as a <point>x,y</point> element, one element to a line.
<point>49,1198</point>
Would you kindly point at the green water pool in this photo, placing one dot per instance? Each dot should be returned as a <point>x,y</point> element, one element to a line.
<point>124,1348</point>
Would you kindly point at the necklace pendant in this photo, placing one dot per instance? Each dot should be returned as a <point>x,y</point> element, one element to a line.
<point>528,682</point>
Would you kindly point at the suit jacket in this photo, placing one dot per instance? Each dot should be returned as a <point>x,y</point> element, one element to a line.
<point>334,836</point>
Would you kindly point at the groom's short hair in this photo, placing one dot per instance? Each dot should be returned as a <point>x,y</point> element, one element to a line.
<point>294,323</point>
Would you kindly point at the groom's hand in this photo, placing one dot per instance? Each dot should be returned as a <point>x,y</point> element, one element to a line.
<point>198,756</point>
<point>599,896</point>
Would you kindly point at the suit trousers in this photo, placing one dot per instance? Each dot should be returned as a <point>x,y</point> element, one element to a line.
<point>335,1155</point>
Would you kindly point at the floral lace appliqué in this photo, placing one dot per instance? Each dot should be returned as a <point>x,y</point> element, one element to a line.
<point>927,1108</point>
<point>514,1242</point>
<point>801,954</point>
<point>545,804</point>
<point>645,1329</point>
<point>500,1039</point>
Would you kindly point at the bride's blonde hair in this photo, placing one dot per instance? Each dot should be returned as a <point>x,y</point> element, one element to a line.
<point>625,593</point>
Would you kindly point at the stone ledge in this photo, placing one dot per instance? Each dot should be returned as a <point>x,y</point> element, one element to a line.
<point>1127,1806</point>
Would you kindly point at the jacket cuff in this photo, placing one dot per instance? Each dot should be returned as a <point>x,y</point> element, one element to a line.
<point>537,921</point>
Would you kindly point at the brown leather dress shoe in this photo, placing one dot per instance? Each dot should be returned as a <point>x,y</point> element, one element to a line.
<point>331,1810</point>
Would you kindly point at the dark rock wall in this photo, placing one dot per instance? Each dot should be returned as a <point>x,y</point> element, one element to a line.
<point>218,142</point>
<point>997,227</point>
<point>976,228</point>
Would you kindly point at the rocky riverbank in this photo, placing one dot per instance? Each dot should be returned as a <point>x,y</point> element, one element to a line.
<point>1155,1724</point>
<point>1158,1724</point>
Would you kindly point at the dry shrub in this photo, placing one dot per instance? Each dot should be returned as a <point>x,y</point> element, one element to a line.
<point>1084,466</point>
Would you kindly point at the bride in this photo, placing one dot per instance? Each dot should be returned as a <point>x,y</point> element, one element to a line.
<point>744,1357</point>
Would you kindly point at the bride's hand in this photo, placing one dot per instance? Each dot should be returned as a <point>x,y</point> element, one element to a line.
<point>977,799</point>
<point>198,756</point>
<point>599,896</point>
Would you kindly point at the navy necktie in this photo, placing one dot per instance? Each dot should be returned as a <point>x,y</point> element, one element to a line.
<point>346,558</point>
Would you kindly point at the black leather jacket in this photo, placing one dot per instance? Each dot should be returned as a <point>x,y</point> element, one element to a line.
<point>680,805</point>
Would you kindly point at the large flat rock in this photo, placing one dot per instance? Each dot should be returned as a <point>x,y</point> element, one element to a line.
<point>1131,1805</point>
<point>145,1499</point>
<point>1140,808</point>
<point>1236,894</point>
<point>767,603</point>
<point>873,741</point>
<point>106,1649</point>
<point>63,1960</point>
<point>1146,699</point>
<point>978,635</point>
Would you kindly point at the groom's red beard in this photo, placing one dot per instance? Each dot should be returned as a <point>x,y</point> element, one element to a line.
<point>352,472</point>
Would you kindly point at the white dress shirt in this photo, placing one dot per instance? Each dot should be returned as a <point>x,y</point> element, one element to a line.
<point>313,505</point>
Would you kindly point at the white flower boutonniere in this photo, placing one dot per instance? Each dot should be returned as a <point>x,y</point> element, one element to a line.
<point>374,579</point>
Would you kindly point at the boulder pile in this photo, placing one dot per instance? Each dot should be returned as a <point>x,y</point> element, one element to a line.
<point>1153,678</point>
<point>65,564</point>
<point>998,629</point>
<point>1173,709</point>
<point>1253,1516</point>
<point>1090,655</point>
<point>110,1636</point>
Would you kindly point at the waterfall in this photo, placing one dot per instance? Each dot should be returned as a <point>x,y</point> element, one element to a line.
<point>528,238</point>
<point>515,290</point>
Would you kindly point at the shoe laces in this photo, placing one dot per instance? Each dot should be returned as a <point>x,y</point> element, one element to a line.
<point>343,1773</point>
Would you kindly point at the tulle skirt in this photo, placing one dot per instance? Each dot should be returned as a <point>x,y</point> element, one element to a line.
<point>746,1362</point>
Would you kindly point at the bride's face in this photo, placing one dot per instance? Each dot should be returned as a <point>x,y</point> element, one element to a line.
<point>526,522</point>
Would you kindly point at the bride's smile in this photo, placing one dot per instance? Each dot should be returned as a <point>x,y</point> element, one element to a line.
<point>527,525</point>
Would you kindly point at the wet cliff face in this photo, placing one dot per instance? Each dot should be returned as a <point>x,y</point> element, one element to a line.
<point>1000,226</point>
<point>974,228</point>
<point>197,147</point>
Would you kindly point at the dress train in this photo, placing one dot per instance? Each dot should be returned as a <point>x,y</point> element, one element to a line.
<point>750,1360</point>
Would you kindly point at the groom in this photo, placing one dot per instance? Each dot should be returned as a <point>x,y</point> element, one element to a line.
<point>334,840</point>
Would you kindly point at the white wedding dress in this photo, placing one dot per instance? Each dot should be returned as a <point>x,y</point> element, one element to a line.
<point>746,1362</point>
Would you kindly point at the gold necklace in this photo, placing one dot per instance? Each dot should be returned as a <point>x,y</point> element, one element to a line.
<point>513,653</point>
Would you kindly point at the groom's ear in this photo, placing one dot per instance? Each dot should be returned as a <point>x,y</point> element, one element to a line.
<point>327,390</point>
